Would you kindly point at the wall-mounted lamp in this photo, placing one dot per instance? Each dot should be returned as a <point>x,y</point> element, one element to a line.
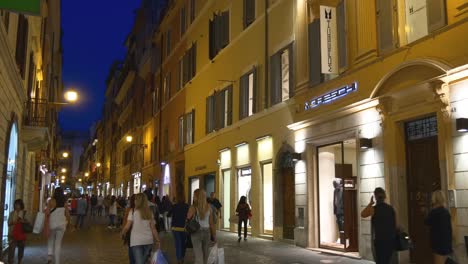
<point>163,163</point>
<point>462,124</point>
<point>365,143</point>
<point>296,157</point>
<point>218,162</point>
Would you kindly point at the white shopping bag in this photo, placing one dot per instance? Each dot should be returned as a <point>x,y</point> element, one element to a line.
<point>213,256</point>
<point>39,223</point>
<point>220,256</point>
<point>158,258</point>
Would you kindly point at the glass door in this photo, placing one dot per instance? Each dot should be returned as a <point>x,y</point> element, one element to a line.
<point>10,181</point>
<point>244,182</point>
<point>267,170</point>
<point>194,184</point>
<point>226,198</point>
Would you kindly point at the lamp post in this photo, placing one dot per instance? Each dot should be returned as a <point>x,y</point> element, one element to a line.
<point>129,139</point>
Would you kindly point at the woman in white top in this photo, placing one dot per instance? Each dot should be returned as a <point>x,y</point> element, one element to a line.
<point>57,218</point>
<point>112,212</point>
<point>143,234</point>
<point>201,239</point>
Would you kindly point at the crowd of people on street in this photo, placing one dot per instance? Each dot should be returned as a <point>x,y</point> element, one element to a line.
<point>143,216</point>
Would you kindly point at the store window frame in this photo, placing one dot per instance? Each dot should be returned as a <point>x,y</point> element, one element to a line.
<point>262,167</point>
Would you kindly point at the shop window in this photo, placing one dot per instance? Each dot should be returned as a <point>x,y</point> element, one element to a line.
<point>226,198</point>
<point>282,87</point>
<point>248,88</point>
<point>267,170</point>
<point>423,17</point>
<point>218,33</point>
<point>244,182</point>
<point>337,165</point>
<point>249,12</point>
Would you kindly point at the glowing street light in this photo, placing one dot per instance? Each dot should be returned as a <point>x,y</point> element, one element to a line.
<point>65,154</point>
<point>98,164</point>
<point>63,177</point>
<point>79,180</point>
<point>71,96</point>
<point>129,138</point>
<point>86,174</point>
<point>64,170</point>
<point>62,181</point>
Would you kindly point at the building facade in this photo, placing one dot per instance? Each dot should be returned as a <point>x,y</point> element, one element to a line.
<point>304,107</point>
<point>30,79</point>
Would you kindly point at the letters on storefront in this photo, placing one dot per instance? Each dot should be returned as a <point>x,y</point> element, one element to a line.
<point>331,96</point>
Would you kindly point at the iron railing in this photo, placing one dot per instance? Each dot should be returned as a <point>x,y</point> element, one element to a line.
<point>36,113</point>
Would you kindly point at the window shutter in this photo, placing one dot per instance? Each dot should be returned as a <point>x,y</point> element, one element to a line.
<point>385,24</point>
<point>249,6</point>
<point>192,10</point>
<point>245,18</point>
<point>436,14</point>
<point>186,67</point>
<point>220,109</point>
<point>229,106</point>
<point>291,71</point>
<point>218,33</point>
<point>193,126</point>
<point>21,44</point>
<point>225,29</point>
<point>255,82</point>
<point>342,38</point>
<point>275,77</point>
<point>207,121</point>
<point>212,45</point>
<point>315,57</point>
<point>243,96</point>
<point>182,21</point>
<point>193,62</point>
<point>185,132</point>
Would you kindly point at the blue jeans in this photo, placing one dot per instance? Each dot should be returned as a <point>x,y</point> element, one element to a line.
<point>142,253</point>
<point>112,220</point>
<point>80,220</point>
<point>130,255</point>
<point>180,238</point>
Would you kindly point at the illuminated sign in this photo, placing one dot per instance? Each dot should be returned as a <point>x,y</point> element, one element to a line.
<point>329,40</point>
<point>331,96</point>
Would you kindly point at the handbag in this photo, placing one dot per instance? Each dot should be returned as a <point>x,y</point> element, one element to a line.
<point>403,241</point>
<point>39,223</point>
<point>192,225</point>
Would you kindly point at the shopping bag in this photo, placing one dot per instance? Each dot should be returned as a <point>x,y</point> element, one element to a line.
<point>220,256</point>
<point>158,258</point>
<point>39,223</point>
<point>234,219</point>
<point>213,256</point>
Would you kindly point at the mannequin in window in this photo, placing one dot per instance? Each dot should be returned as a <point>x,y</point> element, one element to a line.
<point>338,209</point>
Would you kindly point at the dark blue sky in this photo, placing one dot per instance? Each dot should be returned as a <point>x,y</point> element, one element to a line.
<point>93,35</point>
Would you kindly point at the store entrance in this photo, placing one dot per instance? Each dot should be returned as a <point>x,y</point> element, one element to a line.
<point>337,173</point>
<point>423,178</point>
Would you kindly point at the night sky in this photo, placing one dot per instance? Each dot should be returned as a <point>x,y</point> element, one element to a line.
<point>93,37</point>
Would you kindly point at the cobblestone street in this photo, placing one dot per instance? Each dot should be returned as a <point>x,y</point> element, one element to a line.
<point>97,244</point>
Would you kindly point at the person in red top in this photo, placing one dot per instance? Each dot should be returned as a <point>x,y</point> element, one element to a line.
<point>73,205</point>
<point>16,235</point>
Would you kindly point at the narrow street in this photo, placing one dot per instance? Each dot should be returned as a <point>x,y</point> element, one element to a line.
<point>98,245</point>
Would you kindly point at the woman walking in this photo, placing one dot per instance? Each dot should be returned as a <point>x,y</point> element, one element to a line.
<point>201,239</point>
<point>243,211</point>
<point>179,214</point>
<point>126,235</point>
<point>16,235</point>
<point>440,228</point>
<point>112,212</point>
<point>57,218</point>
<point>383,223</point>
<point>143,236</point>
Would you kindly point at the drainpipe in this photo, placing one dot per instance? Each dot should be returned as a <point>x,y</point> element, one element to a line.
<point>266,101</point>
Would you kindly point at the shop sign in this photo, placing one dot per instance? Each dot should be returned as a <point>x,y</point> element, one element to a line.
<point>331,96</point>
<point>416,19</point>
<point>328,40</point>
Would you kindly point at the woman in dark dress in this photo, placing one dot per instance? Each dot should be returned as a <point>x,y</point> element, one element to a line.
<point>243,211</point>
<point>440,228</point>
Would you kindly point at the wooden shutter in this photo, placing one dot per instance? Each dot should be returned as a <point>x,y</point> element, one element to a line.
<point>224,29</point>
<point>186,67</point>
<point>436,14</point>
<point>385,24</point>
<point>291,71</point>
<point>220,109</point>
<point>193,62</point>
<point>183,22</point>
<point>193,126</point>
<point>243,96</point>
<point>342,38</point>
<point>249,12</point>
<point>255,84</point>
<point>21,44</point>
<point>212,39</point>
<point>275,79</point>
<point>192,10</point>
<point>207,116</point>
<point>229,106</point>
<point>315,57</point>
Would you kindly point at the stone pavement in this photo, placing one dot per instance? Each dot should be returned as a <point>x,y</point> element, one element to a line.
<point>98,245</point>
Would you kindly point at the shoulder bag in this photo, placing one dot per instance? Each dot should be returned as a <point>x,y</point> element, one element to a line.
<point>27,227</point>
<point>193,224</point>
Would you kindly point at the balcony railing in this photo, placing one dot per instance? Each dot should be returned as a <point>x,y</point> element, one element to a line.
<point>36,113</point>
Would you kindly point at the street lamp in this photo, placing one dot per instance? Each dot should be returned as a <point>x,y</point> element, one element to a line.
<point>63,177</point>
<point>79,180</point>
<point>64,170</point>
<point>71,96</point>
<point>98,164</point>
<point>129,139</point>
<point>65,154</point>
<point>86,174</point>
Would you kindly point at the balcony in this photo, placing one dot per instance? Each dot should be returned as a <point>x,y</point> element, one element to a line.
<point>125,81</point>
<point>36,124</point>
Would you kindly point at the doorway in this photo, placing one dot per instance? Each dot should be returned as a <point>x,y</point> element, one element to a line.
<point>423,177</point>
<point>289,203</point>
<point>337,174</point>
<point>10,181</point>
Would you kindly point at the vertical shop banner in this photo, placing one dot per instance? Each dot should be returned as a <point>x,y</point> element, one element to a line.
<point>416,19</point>
<point>328,40</point>
<point>29,7</point>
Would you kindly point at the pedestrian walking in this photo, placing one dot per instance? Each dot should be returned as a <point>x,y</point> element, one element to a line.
<point>179,214</point>
<point>166,208</point>
<point>215,206</point>
<point>113,205</point>
<point>16,235</point>
<point>384,226</point>
<point>107,203</point>
<point>244,211</point>
<point>93,205</point>
<point>440,226</point>
<point>143,235</point>
<point>126,236</point>
<point>100,205</point>
<point>80,212</point>
<point>202,213</point>
<point>57,218</point>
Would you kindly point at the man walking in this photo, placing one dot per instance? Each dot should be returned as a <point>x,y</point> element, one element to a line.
<point>80,212</point>
<point>100,204</point>
<point>215,205</point>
